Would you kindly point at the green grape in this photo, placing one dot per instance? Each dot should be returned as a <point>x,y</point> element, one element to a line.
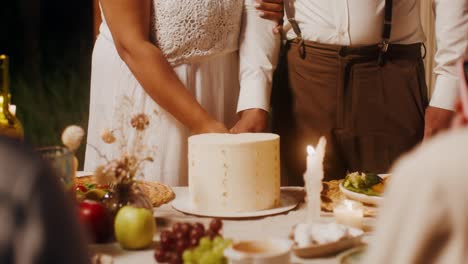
<point>228,242</point>
<point>208,258</point>
<point>218,240</point>
<point>188,256</point>
<point>218,253</point>
<point>197,253</point>
<point>205,244</point>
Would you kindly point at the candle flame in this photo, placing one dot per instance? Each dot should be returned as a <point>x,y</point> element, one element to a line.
<point>310,150</point>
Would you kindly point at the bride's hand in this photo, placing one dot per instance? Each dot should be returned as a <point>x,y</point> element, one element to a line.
<point>210,126</point>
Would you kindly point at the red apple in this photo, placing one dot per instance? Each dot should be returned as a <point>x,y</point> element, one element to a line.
<point>81,188</point>
<point>97,220</point>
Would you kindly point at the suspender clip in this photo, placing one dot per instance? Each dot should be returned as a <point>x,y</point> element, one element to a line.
<point>383,51</point>
<point>295,26</point>
<point>384,46</point>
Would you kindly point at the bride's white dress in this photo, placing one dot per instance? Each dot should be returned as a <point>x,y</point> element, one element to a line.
<point>202,39</point>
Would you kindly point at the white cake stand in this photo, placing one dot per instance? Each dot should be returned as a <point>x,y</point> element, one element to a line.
<point>287,203</point>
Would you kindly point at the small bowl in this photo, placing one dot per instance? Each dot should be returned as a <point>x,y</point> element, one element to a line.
<point>274,251</point>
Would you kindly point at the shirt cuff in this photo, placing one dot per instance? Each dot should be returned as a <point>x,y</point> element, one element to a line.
<point>445,92</point>
<point>254,94</point>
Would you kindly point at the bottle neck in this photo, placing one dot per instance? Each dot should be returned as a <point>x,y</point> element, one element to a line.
<point>4,85</point>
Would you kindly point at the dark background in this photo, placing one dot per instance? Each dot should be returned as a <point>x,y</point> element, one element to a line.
<point>50,44</point>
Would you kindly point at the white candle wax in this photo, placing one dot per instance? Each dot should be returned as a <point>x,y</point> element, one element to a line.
<point>310,157</point>
<point>12,109</point>
<point>313,179</point>
<point>349,213</point>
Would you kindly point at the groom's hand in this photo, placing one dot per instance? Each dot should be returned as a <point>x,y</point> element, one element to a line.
<point>251,120</point>
<point>437,120</point>
<point>272,10</point>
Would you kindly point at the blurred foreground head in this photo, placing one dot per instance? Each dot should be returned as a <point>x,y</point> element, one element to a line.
<point>424,218</point>
<point>37,219</point>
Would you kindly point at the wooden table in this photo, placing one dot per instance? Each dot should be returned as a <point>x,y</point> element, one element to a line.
<point>278,226</point>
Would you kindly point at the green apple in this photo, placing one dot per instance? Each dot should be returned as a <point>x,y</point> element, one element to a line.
<point>134,227</point>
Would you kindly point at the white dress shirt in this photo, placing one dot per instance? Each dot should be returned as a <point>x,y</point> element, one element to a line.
<point>360,22</point>
<point>258,53</point>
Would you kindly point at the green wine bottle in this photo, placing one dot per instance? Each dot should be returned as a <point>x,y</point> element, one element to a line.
<point>10,126</point>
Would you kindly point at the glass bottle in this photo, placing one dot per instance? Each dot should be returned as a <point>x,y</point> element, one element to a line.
<point>10,126</point>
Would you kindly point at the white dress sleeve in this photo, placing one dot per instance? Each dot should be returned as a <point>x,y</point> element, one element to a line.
<point>258,51</point>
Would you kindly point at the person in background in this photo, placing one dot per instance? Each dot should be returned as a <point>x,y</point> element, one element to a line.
<point>424,218</point>
<point>356,75</point>
<point>190,66</point>
<point>38,221</point>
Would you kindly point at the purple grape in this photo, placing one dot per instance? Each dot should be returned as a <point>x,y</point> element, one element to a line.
<point>199,226</point>
<point>181,245</point>
<point>160,255</point>
<point>216,225</point>
<point>174,258</point>
<point>185,228</point>
<point>210,233</point>
<point>197,233</point>
<point>167,240</point>
<point>194,242</point>
<point>176,227</point>
<point>179,235</point>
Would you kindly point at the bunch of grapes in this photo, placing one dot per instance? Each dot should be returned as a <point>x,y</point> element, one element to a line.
<point>209,251</point>
<point>184,236</point>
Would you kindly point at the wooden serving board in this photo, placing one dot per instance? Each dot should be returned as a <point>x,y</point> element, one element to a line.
<point>158,193</point>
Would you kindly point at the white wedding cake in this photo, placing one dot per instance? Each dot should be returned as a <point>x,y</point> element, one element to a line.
<point>230,173</point>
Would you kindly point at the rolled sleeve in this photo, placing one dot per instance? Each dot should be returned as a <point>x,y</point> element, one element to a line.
<point>445,92</point>
<point>258,53</point>
<point>254,93</point>
<point>452,39</point>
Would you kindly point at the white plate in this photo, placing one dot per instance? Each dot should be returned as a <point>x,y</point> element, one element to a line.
<point>83,173</point>
<point>182,204</point>
<point>360,197</point>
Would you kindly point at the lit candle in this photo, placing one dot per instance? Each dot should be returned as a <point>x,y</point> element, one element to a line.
<point>349,213</point>
<point>310,157</point>
<point>313,179</point>
<point>12,109</point>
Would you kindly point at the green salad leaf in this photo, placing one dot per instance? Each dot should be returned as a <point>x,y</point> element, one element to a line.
<point>362,183</point>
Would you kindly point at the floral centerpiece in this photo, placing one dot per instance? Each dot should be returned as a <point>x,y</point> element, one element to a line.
<point>120,173</point>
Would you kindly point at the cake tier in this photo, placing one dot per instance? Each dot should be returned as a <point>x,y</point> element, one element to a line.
<point>234,172</point>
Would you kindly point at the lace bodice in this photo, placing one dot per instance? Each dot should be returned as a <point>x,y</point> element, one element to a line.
<point>186,30</point>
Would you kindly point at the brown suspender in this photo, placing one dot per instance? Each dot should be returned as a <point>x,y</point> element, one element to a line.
<point>387,28</point>
<point>290,14</point>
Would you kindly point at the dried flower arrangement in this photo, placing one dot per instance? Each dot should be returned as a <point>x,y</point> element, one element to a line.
<point>130,139</point>
<point>124,169</point>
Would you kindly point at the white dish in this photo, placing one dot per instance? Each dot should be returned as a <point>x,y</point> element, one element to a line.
<point>182,204</point>
<point>360,197</point>
<point>83,173</point>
